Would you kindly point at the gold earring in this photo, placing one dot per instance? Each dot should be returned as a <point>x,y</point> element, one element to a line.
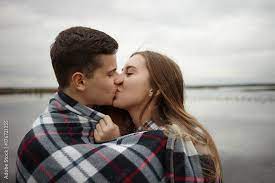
<point>151,93</point>
<point>158,92</point>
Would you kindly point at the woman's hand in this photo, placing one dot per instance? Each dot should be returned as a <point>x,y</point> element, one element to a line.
<point>106,130</point>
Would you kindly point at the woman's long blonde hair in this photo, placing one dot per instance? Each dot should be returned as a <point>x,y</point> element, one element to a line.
<point>166,77</point>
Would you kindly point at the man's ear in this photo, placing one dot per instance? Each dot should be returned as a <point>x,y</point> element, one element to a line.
<point>78,80</point>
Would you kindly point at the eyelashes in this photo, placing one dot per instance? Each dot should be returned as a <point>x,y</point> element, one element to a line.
<point>129,74</point>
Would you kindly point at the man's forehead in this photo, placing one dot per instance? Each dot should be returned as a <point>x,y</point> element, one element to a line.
<point>107,61</point>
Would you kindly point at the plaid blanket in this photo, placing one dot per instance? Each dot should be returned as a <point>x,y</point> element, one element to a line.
<point>59,148</point>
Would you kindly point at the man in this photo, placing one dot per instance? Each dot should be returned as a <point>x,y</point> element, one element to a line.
<point>84,62</point>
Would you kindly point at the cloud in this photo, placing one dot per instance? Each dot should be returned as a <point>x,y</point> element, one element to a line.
<point>213,41</point>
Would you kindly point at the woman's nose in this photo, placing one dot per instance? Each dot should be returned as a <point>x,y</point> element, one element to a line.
<point>119,79</point>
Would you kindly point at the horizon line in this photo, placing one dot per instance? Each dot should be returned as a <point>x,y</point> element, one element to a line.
<point>188,86</point>
<point>41,90</point>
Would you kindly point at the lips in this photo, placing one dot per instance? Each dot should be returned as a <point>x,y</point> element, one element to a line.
<point>119,89</point>
<point>115,96</point>
<point>117,92</point>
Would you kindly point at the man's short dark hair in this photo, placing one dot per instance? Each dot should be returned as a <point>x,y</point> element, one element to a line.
<point>77,49</point>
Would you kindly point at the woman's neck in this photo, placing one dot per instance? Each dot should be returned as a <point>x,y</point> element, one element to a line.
<point>135,113</point>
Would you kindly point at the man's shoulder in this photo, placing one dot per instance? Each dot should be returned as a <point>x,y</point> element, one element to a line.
<point>44,118</point>
<point>36,131</point>
<point>33,150</point>
<point>35,126</point>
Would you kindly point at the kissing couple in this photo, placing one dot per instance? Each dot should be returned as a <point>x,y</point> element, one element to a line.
<point>105,126</point>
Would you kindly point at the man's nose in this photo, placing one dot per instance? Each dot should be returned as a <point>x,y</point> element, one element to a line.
<point>119,79</point>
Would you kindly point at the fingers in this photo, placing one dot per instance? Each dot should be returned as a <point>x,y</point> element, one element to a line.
<point>106,123</point>
<point>101,125</point>
<point>101,129</point>
<point>96,136</point>
<point>106,130</point>
<point>98,133</point>
<point>107,120</point>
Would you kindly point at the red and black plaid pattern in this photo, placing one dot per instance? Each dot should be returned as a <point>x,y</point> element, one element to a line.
<point>59,149</point>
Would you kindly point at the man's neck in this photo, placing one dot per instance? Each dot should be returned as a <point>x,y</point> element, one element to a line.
<point>77,97</point>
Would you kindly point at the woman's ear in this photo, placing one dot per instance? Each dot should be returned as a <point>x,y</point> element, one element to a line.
<point>78,80</point>
<point>151,92</point>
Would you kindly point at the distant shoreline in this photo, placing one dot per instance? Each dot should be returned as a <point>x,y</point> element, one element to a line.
<point>5,91</point>
<point>245,87</point>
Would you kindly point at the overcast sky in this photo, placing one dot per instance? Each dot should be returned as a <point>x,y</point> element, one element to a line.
<point>214,41</point>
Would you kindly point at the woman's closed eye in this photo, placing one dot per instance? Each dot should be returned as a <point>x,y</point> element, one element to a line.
<point>130,70</point>
<point>129,73</point>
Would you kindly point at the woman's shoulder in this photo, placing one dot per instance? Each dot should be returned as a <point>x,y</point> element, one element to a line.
<point>158,133</point>
<point>151,136</point>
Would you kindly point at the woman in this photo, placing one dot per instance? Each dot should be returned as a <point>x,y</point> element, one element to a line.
<point>151,89</point>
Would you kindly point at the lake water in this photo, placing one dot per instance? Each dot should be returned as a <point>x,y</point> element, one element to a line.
<point>242,124</point>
